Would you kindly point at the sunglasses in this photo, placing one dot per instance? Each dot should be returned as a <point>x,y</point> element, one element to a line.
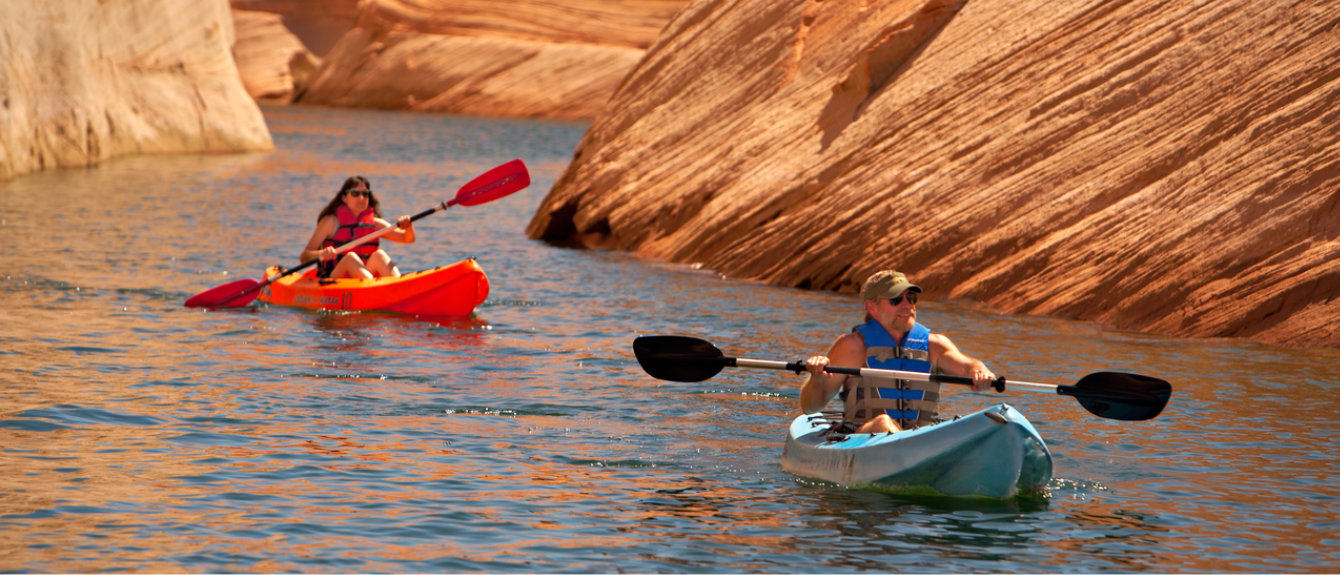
<point>358,193</point>
<point>911,298</point>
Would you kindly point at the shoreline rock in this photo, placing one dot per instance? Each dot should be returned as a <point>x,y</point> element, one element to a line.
<point>513,58</point>
<point>98,80</point>
<point>274,64</point>
<point>1154,167</point>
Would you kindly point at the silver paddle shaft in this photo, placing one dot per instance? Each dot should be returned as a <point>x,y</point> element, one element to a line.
<point>799,366</point>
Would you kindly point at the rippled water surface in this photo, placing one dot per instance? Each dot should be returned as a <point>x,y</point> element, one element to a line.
<point>138,435</point>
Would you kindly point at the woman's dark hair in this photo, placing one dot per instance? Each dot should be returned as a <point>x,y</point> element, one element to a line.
<point>338,200</point>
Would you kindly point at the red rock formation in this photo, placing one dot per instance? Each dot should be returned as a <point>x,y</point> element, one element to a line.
<point>1168,167</point>
<point>318,24</point>
<point>83,81</point>
<point>523,58</point>
<point>273,63</point>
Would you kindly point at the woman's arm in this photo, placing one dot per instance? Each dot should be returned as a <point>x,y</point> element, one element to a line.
<point>324,229</point>
<point>403,232</point>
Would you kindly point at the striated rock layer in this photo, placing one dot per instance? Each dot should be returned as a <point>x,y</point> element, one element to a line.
<point>520,58</point>
<point>82,81</point>
<point>273,63</point>
<point>1168,167</point>
<point>317,24</point>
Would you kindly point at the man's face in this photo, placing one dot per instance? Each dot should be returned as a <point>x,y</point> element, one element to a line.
<point>897,313</point>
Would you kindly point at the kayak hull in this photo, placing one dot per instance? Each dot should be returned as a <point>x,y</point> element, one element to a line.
<point>995,452</point>
<point>453,290</point>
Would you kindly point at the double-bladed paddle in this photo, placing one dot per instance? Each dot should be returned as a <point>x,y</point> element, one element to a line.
<point>1114,395</point>
<point>491,185</point>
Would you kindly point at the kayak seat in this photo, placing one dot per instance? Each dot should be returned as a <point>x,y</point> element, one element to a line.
<point>838,430</point>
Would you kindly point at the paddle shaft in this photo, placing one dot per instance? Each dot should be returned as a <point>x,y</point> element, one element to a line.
<point>485,188</point>
<point>491,185</point>
<point>378,233</point>
<point>344,248</point>
<point>799,367</point>
<point>258,286</point>
<point>508,175</point>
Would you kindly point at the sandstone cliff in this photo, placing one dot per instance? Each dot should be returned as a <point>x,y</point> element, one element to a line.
<point>1168,167</point>
<point>82,81</point>
<point>273,63</point>
<point>521,58</point>
<point>318,24</point>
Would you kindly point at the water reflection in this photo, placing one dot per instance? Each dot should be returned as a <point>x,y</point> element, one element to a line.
<point>353,332</point>
<point>142,436</point>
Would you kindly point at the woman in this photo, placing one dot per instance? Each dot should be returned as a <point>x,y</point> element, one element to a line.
<point>353,213</point>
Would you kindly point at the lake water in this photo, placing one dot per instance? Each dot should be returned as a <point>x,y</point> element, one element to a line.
<point>138,435</point>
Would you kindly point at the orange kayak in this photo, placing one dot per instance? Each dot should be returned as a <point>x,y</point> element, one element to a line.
<point>452,290</point>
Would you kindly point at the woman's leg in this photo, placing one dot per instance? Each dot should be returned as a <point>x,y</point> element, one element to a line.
<point>351,266</point>
<point>380,264</point>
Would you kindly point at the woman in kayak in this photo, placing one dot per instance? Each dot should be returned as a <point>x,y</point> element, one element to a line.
<point>354,212</point>
<point>890,338</point>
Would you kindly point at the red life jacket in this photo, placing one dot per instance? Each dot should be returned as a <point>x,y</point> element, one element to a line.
<point>353,227</point>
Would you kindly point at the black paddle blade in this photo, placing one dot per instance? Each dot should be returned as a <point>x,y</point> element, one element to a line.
<point>678,358</point>
<point>1123,396</point>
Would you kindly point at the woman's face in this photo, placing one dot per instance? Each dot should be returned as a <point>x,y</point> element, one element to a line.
<point>357,198</point>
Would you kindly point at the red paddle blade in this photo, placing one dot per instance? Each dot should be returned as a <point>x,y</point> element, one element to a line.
<point>232,294</point>
<point>493,184</point>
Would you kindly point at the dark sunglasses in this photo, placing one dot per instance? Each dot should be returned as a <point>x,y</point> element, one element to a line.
<point>911,298</point>
<point>357,193</point>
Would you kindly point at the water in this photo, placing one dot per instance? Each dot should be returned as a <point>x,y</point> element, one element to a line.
<point>137,435</point>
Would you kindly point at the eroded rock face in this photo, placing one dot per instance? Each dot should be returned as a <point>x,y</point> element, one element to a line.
<point>516,58</point>
<point>82,81</point>
<point>1166,167</point>
<point>273,63</point>
<point>317,24</point>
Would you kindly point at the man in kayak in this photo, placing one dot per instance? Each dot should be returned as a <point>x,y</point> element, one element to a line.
<point>354,212</point>
<point>890,338</point>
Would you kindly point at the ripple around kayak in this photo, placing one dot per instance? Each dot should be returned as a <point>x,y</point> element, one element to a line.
<point>995,453</point>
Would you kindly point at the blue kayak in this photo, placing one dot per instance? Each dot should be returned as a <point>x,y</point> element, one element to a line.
<point>995,452</point>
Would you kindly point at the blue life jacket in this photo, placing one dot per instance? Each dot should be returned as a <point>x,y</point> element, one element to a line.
<point>910,403</point>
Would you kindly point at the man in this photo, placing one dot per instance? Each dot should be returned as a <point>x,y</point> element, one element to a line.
<point>890,338</point>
